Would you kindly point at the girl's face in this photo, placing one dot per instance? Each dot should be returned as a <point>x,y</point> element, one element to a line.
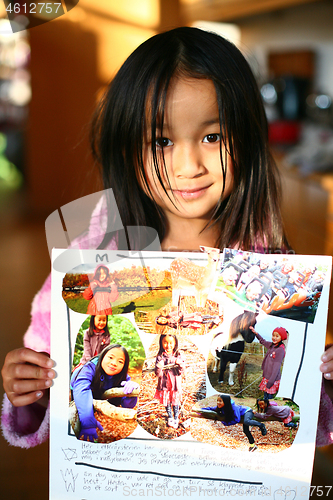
<point>276,338</point>
<point>113,361</point>
<point>261,405</point>
<point>168,344</point>
<point>191,144</point>
<point>100,322</point>
<point>220,403</point>
<point>102,275</point>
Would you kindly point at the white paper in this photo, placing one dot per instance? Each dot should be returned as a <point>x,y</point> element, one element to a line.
<point>173,463</point>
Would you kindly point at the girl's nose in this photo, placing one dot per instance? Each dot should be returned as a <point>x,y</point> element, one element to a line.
<point>188,162</point>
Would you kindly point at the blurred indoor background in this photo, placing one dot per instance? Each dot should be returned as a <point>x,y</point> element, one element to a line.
<point>51,77</point>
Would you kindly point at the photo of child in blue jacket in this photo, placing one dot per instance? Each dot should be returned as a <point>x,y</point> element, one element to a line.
<point>231,414</point>
<point>106,371</point>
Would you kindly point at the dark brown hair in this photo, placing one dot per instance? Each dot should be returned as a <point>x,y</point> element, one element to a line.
<point>98,380</point>
<point>250,216</point>
<point>91,332</point>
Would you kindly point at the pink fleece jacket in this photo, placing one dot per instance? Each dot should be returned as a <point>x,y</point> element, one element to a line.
<point>21,426</point>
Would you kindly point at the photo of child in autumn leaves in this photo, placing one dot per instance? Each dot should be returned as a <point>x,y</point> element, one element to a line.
<point>173,379</point>
<point>235,423</point>
<point>104,387</point>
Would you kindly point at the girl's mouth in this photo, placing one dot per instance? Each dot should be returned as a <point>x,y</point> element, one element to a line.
<point>190,194</point>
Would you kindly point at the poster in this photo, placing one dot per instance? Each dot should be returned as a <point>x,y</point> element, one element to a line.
<point>180,336</point>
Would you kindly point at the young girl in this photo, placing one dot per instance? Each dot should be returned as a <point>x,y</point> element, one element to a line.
<point>267,408</point>
<point>101,292</point>
<point>232,414</point>
<point>97,376</point>
<point>169,367</point>
<point>271,365</point>
<point>95,338</point>
<point>181,137</point>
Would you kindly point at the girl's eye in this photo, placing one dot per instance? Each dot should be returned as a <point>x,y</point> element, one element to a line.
<point>211,138</point>
<point>163,142</point>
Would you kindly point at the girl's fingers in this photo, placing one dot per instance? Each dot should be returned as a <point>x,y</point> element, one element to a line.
<point>26,386</point>
<point>26,374</point>
<point>28,371</point>
<point>32,388</point>
<point>327,370</point>
<point>25,399</point>
<point>25,355</point>
<point>327,366</point>
<point>328,355</point>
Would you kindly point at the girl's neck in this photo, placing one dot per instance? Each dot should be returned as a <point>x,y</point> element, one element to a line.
<point>189,235</point>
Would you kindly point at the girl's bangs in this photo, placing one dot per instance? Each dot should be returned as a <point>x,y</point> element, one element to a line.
<point>153,121</point>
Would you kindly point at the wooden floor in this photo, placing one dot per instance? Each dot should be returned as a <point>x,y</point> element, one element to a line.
<point>24,264</point>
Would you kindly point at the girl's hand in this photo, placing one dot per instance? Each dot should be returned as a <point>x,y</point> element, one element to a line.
<point>26,375</point>
<point>253,330</point>
<point>327,366</point>
<point>129,386</point>
<point>90,433</point>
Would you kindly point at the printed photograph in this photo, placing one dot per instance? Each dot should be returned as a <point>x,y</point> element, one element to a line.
<point>283,287</point>
<point>246,424</point>
<point>245,358</point>
<point>105,379</point>
<point>173,380</point>
<point>116,289</point>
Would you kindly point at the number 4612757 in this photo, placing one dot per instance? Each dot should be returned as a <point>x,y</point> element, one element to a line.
<point>33,8</point>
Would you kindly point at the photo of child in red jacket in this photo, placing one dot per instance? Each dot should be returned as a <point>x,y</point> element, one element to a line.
<point>102,292</point>
<point>169,367</point>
